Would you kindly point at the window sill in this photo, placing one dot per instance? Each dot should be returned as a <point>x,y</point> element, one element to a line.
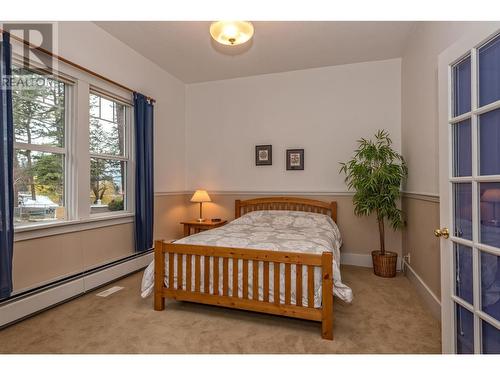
<point>38,230</point>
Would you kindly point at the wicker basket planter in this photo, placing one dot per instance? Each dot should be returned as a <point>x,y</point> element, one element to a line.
<point>384,265</point>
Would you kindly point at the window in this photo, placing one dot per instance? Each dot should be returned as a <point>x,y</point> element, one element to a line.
<point>109,154</point>
<point>59,175</point>
<point>39,111</point>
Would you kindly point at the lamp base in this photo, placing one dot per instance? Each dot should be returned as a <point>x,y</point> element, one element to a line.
<point>200,220</point>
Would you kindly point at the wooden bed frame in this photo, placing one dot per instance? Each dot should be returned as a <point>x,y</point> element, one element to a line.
<point>192,293</point>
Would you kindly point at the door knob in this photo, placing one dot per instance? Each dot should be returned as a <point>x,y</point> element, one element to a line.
<point>443,232</point>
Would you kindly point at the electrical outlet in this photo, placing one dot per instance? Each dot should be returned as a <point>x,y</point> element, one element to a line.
<point>407,258</point>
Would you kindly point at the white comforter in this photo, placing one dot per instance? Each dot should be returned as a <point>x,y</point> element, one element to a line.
<point>292,231</point>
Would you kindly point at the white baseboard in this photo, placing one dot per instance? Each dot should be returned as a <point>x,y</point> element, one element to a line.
<point>351,259</point>
<point>97,279</point>
<point>361,260</point>
<point>25,306</point>
<point>430,299</point>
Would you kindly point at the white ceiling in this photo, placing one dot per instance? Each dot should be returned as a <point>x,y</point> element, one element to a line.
<point>186,50</point>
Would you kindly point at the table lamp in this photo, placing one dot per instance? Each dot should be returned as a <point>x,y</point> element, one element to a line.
<point>492,196</point>
<point>200,196</point>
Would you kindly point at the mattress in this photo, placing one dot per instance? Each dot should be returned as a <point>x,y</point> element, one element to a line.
<point>292,231</point>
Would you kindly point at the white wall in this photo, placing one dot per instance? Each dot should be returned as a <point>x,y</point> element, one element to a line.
<point>420,100</point>
<point>322,110</point>
<point>90,46</point>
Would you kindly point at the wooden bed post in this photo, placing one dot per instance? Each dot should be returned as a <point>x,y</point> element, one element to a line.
<point>333,207</point>
<point>327,298</point>
<point>159,300</point>
<point>237,208</point>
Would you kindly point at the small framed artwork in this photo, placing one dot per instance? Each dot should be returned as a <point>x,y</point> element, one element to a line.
<point>295,159</point>
<point>264,155</point>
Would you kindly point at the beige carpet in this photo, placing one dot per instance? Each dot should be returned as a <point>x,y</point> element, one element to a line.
<point>386,316</point>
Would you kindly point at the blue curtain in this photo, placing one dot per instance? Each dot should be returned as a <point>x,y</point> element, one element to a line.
<point>6,170</point>
<point>144,206</point>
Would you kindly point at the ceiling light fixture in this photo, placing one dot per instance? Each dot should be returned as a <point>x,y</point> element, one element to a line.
<point>231,33</point>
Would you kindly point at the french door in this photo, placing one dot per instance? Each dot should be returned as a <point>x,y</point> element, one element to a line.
<point>469,140</point>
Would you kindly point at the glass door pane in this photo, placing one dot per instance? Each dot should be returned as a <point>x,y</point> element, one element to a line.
<point>463,273</point>
<point>489,72</point>
<point>464,330</point>
<point>490,284</point>
<point>462,149</point>
<point>462,87</point>
<point>489,139</point>
<point>491,339</point>
<point>489,213</point>
<point>462,208</point>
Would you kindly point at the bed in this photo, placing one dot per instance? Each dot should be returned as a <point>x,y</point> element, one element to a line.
<point>234,265</point>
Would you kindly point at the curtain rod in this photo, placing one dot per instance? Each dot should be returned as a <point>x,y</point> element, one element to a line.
<point>78,66</point>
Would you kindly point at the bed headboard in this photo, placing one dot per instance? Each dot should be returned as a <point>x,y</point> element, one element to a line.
<point>285,203</point>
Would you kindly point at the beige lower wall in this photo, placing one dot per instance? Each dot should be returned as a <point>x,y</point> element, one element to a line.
<point>422,217</point>
<point>42,260</point>
<point>34,259</point>
<point>170,210</point>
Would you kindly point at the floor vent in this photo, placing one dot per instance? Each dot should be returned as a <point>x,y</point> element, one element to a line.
<point>108,292</point>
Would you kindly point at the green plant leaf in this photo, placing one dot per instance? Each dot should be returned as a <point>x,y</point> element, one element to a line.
<point>376,173</point>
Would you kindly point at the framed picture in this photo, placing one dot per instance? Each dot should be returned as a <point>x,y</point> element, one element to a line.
<point>264,155</point>
<point>295,159</point>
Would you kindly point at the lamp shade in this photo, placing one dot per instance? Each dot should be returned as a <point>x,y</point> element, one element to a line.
<point>491,195</point>
<point>200,196</point>
<point>231,32</point>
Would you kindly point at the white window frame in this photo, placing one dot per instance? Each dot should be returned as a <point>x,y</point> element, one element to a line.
<point>77,154</point>
<point>127,153</point>
<point>65,150</point>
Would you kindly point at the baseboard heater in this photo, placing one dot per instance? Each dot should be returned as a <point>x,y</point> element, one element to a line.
<point>30,303</point>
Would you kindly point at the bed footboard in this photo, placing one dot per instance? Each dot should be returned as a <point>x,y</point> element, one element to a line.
<point>190,288</point>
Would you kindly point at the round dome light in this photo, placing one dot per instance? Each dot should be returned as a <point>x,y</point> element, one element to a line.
<point>231,33</point>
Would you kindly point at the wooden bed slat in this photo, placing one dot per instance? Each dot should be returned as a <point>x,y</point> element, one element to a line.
<point>310,286</point>
<point>235,277</point>
<point>276,275</point>
<point>215,276</point>
<point>197,273</point>
<point>255,280</point>
<point>266,281</point>
<point>179,271</point>
<point>245,279</point>
<point>171,270</point>
<point>188,272</point>
<point>288,283</point>
<point>225,276</point>
<point>298,285</point>
<point>206,274</point>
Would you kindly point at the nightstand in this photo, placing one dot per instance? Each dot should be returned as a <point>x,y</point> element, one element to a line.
<point>199,227</point>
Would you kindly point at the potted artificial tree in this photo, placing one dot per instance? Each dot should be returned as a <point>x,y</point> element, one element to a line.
<point>375,173</point>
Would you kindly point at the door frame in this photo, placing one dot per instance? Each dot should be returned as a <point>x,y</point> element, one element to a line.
<point>482,32</point>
